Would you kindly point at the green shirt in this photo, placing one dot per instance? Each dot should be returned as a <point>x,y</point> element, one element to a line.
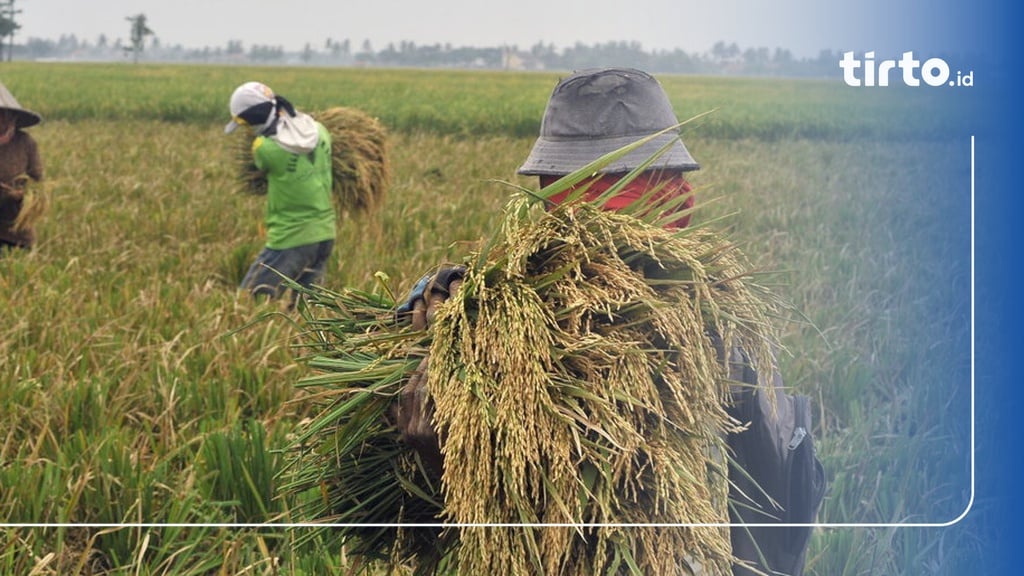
<point>299,207</point>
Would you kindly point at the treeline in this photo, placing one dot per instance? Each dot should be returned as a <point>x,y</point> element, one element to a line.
<point>722,58</point>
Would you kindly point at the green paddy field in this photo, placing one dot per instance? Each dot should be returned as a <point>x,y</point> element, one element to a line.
<point>144,402</point>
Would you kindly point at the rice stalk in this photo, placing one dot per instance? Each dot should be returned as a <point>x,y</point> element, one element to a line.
<point>561,375</point>
<point>578,376</point>
<point>251,180</point>
<point>348,465</point>
<point>360,159</point>
<point>35,202</point>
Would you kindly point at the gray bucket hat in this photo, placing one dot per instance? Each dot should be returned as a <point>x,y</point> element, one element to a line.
<point>22,118</point>
<point>597,111</point>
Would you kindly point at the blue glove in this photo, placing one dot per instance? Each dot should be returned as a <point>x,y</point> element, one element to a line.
<point>415,294</point>
<point>439,284</point>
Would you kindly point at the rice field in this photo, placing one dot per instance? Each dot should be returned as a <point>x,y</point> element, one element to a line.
<point>146,403</point>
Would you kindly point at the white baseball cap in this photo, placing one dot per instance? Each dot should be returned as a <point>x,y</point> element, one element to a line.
<point>245,97</point>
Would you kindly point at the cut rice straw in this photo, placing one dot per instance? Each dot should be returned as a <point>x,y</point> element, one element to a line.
<point>578,385</point>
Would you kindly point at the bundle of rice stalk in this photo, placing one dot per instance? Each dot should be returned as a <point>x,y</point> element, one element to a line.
<point>362,171</point>
<point>251,180</point>
<point>578,383</point>
<point>35,201</point>
<point>360,166</point>
<point>348,468</point>
<point>577,376</point>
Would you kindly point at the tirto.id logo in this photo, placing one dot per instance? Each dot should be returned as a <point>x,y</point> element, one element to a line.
<point>933,71</point>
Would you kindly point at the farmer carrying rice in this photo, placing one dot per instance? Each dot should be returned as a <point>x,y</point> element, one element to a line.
<point>773,473</point>
<point>19,165</point>
<point>294,152</point>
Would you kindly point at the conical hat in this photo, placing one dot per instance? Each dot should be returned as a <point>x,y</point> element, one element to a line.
<point>23,118</point>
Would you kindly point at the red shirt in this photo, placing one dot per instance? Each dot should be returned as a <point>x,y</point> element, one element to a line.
<point>672,185</point>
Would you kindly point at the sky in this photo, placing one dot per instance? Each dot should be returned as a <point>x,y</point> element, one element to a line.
<point>804,27</point>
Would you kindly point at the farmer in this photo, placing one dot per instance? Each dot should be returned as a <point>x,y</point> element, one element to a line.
<point>294,152</point>
<point>592,113</point>
<point>19,163</point>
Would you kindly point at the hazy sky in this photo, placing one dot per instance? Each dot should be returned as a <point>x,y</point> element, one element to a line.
<point>802,26</point>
